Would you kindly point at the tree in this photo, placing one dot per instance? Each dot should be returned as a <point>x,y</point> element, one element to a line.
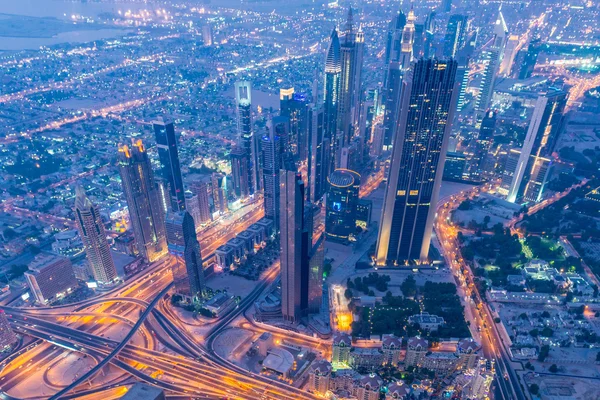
<point>598,356</point>
<point>348,294</point>
<point>409,287</point>
<point>553,368</point>
<point>544,351</point>
<point>534,389</point>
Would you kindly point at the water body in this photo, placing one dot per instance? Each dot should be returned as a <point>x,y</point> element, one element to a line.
<point>64,9</point>
<point>26,43</point>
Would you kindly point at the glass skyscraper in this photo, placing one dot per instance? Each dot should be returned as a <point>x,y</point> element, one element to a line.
<point>166,142</point>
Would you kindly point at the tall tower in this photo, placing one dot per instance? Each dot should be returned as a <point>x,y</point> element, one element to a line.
<point>535,158</point>
<point>271,150</point>
<point>243,97</point>
<point>291,210</point>
<point>331,94</point>
<point>93,236</point>
<point>392,103</point>
<point>428,101</point>
<point>342,201</point>
<point>166,142</point>
<point>200,189</point>
<point>455,34</point>
<point>351,50</point>
<point>143,201</point>
<point>492,57</point>
<point>319,153</point>
<point>408,39</point>
<point>394,38</point>
<point>239,171</point>
<point>293,107</point>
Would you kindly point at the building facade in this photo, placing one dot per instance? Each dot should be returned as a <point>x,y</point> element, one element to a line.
<point>166,143</point>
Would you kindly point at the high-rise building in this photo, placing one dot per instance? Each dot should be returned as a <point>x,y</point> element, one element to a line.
<point>492,58</point>
<point>207,35</point>
<point>351,56</point>
<point>392,103</point>
<point>291,218</point>
<point>281,127</point>
<point>166,142</point>
<point>394,41</point>
<point>331,95</point>
<point>188,274</point>
<point>7,336</point>
<point>428,102</point>
<point>271,150</point>
<point>408,39</point>
<point>319,153</point>
<point>50,277</point>
<point>530,59</point>
<point>246,137</point>
<point>143,201</point>
<point>462,77</point>
<point>219,191</point>
<point>93,237</point>
<point>532,170</point>
<point>341,204</point>
<point>200,189</point>
<point>293,107</point>
<point>510,52</point>
<point>446,6</point>
<point>239,171</point>
<point>455,34</point>
<point>488,127</point>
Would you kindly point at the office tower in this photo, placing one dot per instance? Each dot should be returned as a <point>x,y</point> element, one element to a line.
<point>462,77</point>
<point>219,190</point>
<point>246,138</point>
<point>419,41</point>
<point>491,58</point>
<point>508,175</point>
<point>281,127</point>
<point>530,59</point>
<point>455,34</point>
<point>392,103</point>
<point>200,189</point>
<point>342,200</point>
<point>315,260</point>
<point>50,277</point>
<point>93,237</point>
<point>319,152</point>
<point>166,143</point>
<point>408,38</point>
<point>291,208</point>
<point>293,106</point>
<point>271,150</point>
<point>7,336</point>
<point>143,201</point>
<point>192,205</point>
<point>351,54</point>
<point>207,35</point>
<point>454,166</point>
<point>331,94</point>
<point>239,171</point>
<point>536,154</point>
<point>510,52</point>
<point>188,274</point>
<point>488,127</point>
<point>394,38</point>
<point>428,101</point>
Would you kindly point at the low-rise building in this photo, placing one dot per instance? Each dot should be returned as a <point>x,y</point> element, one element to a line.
<point>220,304</point>
<point>319,376</point>
<point>416,348</point>
<point>368,358</point>
<point>467,349</point>
<point>391,346</point>
<point>368,388</point>
<point>426,321</point>
<point>442,362</point>
<point>342,343</point>
<point>143,391</point>
<point>280,361</point>
<point>224,256</point>
<point>50,277</point>
<point>397,391</point>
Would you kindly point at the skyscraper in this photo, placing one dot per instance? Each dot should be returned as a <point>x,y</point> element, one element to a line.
<point>428,101</point>
<point>143,202</point>
<point>319,152</point>
<point>246,138</point>
<point>534,162</point>
<point>394,38</point>
<point>331,94</point>
<point>408,39</point>
<point>207,35</point>
<point>93,237</point>
<point>271,150</point>
<point>510,52</point>
<point>351,54</point>
<point>166,142</point>
<point>239,171</point>
<point>219,191</point>
<point>392,103</point>
<point>293,107</point>
<point>530,59</point>
<point>342,200</point>
<point>455,34</point>
<point>200,189</point>
<point>188,274</point>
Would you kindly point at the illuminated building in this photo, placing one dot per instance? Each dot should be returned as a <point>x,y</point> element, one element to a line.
<point>533,167</point>
<point>342,344</point>
<point>319,153</point>
<point>391,347</point>
<point>271,150</point>
<point>530,59</point>
<point>219,191</point>
<point>392,103</point>
<point>510,53</point>
<point>394,38</point>
<point>144,391</point>
<point>455,34</point>
<point>143,201</point>
<point>408,39</point>
<point>166,143</point>
<point>417,163</point>
<point>341,204</point>
<point>239,171</point>
<point>492,58</point>
<point>368,388</point>
<point>454,167</point>
<point>50,277</point>
<point>246,138</point>
<point>200,189</point>
<point>93,237</point>
<point>207,35</point>
<point>398,391</point>
<point>318,377</point>
<point>293,107</point>
<point>416,348</point>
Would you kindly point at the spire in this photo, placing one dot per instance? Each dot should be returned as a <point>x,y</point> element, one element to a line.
<point>349,21</point>
<point>81,200</point>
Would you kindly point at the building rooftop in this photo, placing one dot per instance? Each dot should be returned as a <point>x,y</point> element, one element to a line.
<point>142,391</point>
<point>279,360</point>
